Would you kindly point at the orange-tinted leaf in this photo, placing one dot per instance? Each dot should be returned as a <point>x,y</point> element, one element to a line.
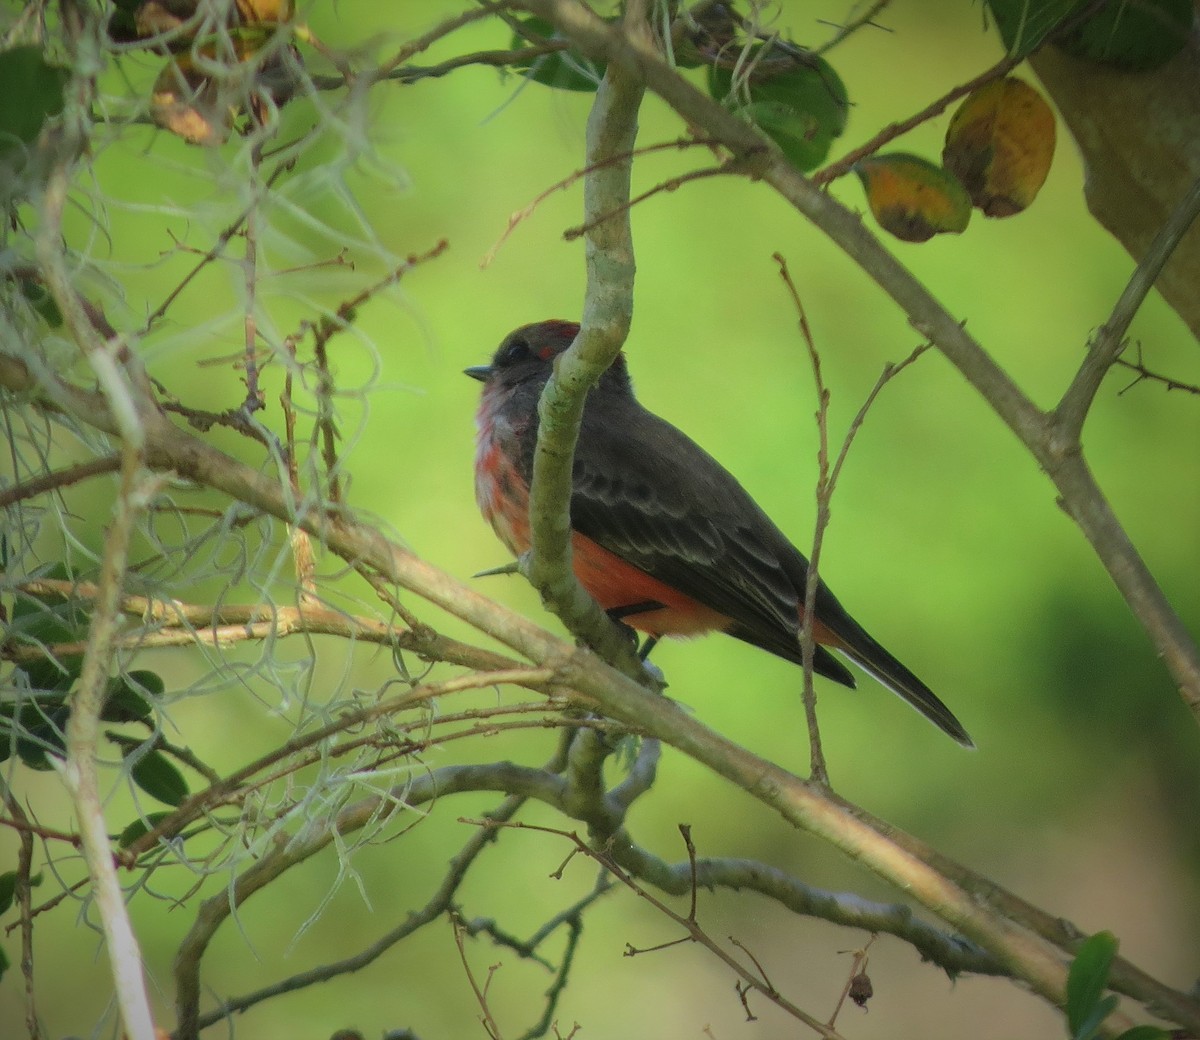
<point>912,198</point>
<point>186,102</point>
<point>1000,143</point>
<point>258,12</point>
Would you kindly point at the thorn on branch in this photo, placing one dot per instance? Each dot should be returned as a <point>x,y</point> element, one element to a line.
<point>1144,374</point>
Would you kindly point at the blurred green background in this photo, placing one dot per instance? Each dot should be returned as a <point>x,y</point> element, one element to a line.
<point>945,542</point>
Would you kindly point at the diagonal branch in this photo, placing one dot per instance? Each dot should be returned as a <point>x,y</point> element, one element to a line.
<point>884,850</point>
<point>1110,341</point>
<point>1061,459</point>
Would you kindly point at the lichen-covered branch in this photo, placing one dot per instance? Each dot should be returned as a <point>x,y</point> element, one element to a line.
<point>607,312</point>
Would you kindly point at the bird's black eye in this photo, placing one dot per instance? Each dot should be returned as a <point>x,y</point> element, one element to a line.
<point>513,351</point>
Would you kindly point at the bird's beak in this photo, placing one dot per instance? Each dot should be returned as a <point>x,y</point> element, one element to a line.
<point>480,372</point>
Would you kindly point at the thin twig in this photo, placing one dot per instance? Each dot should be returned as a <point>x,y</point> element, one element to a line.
<point>254,397</point>
<point>1072,410</point>
<point>515,219</point>
<point>694,932</point>
<point>176,623</point>
<point>437,905</point>
<point>889,133</point>
<point>853,25</point>
<point>1144,374</point>
<point>231,230</point>
<point>58,479</point>
<point>818,769</point>
<point>487,9</point>
<point>858,965</point>
<point>487,1018</point>
<point>730,166</point>
<point>23,897</point>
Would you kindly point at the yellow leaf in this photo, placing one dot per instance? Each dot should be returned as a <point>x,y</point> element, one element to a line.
<point>258,12</point>
<point>186,102</point>
<point>912,198</point>
<point>1000,143</point>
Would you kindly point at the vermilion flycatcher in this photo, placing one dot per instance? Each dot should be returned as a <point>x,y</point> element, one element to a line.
<point>663,537</point>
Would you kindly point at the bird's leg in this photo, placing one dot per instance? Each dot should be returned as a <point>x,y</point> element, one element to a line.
<point>618,614</point>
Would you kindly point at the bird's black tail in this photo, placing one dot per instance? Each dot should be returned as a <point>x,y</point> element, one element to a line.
<point>858,645</point>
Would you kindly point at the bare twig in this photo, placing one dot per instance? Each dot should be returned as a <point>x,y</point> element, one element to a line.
<point>230,231</point>
<point>59,479</point>
<point>1144,374</point>
<point>858,965</point>
<point>889,133</point>
<point>176,623</point>
<point>521,215</point>
<point>22,895</point>
<point>818,769</point>
<point>730,166</point>
<point>1109,342</point>
<point>437,905</point>
<point>694,932</point>
<point>867,17</point>
<point>486,9</point>
<point>487,1018</point>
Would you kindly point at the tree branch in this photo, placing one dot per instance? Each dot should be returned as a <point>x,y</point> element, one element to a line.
<point>1109,342</point>
<point>607,312</point>
<point>1032,426</point>
<point>878,847</point>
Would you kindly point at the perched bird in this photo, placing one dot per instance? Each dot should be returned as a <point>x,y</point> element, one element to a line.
<point>663,537</point>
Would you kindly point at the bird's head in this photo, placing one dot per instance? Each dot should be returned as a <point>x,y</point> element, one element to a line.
<point>527,355</point>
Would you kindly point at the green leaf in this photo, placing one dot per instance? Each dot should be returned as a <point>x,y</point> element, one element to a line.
<point>39,734</point>
<point>1135,35</point>
<point>4,962</point>
<point>1024,24</point>
<point>126,699</point>
<point>139,827</point>
<point>1145,1033</point>
<point>31,91</point>
<point>8,886</point>
<point>1088,979</point>
<point>47,620</point>
<point>793,96</point>
<point>155,774</point>
<point>563,70</point>
<point>913,198</point>
<point>1090,1026</point>
<point>41,301</point>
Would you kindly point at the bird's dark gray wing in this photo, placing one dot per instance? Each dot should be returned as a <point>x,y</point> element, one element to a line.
<point>644,491</point>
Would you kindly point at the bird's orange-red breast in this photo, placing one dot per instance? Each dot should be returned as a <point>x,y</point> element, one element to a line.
<point>663,536</point>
